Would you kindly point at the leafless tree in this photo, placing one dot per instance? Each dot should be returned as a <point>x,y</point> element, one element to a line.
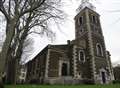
<point>22,16</point>
<point>117,72</point>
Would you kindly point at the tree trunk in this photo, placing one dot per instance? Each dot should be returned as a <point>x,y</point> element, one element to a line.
<point>18,55</point>
<point>6,46</point>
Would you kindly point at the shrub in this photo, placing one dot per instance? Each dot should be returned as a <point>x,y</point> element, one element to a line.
<point>88,81</point>
<point>116,82</point>
<point>1,85</point>
<point>34,81</point>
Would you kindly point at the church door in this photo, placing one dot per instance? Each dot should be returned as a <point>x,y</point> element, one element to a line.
<point>64,69</point>
<point>103,77</point>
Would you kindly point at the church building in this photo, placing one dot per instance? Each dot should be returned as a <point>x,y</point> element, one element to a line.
<point>82,60</point>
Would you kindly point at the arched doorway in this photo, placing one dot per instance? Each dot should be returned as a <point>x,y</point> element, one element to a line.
<point>103,77</point>
<point>64,69</point>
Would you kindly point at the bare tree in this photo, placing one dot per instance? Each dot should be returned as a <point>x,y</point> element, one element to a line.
<point>22,16</point>
<point>117,72</point>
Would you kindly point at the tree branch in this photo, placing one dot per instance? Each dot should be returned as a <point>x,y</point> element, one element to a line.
<point>39,3</point>
<point>2,9</point>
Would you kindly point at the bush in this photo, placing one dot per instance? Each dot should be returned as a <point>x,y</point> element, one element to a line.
<point>116,82</point>
<point>88,81</point>
<point>1,85</point>
<point>34,81</point>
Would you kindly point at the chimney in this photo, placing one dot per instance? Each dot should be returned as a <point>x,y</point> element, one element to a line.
<point>68,42</point>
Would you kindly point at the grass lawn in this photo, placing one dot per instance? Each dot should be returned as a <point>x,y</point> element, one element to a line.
<point>64,86</point>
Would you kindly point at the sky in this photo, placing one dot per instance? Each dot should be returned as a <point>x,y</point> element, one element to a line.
<point>109,11</point>
<point>2,30</point>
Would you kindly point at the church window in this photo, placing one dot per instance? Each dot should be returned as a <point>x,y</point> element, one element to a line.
<point>81,30</point>
<point>81,20</point>
<point>99,50</point>
<point>94,19</point>
<point>82,56</point>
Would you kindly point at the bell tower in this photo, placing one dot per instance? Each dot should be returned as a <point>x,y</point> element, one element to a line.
<point>89,36</point>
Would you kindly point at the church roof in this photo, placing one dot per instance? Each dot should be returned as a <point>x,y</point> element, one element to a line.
<point>61,47</point>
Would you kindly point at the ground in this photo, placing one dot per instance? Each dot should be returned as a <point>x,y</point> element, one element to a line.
<point>64,86</point>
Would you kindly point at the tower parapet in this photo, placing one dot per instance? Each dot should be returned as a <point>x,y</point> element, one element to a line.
<point>85,3</point>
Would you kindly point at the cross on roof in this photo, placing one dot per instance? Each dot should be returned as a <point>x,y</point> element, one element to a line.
<point>83,1</point>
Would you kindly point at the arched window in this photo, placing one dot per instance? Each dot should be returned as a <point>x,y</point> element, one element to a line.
<point>94,19</point>
<point>82,30</point>
<point>82,56</point>
<point>99,50</point>
<point>80,21</point>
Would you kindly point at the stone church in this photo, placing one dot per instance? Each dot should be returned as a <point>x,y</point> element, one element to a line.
<point>83,60</point>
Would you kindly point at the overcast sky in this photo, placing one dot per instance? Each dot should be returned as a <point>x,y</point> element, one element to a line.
<point>110,21</point>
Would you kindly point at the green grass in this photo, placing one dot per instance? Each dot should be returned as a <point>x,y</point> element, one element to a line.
<point>64,86</point>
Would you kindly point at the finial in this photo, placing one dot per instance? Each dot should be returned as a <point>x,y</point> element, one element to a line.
<point>85,3</point>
